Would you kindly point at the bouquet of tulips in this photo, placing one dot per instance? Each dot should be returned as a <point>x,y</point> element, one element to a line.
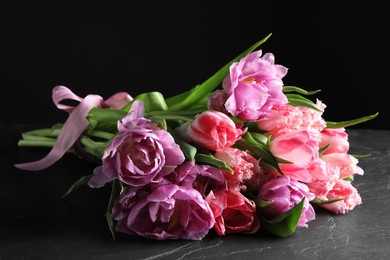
<point>238,153</point>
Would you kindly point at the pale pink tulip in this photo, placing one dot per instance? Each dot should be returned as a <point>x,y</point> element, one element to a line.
<point>351,197</point>
<point>336,138</point>
<point>300,148</point>
<point>345,162</point>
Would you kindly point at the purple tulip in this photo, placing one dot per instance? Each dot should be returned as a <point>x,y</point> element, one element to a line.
<point>286,193</point>
<point>142,153</point>
<point>167,212</point>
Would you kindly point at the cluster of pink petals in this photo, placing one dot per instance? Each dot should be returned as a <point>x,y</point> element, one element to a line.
<point>244,167</point>
<point>254,85</point>
<point>343,189</point>
<point>287,118</point>
<point>297,135</point>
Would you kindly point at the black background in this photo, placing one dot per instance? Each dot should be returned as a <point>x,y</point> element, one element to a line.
<point>170,46</point>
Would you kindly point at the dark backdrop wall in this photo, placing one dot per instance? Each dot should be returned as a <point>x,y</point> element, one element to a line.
<point>170,46</point>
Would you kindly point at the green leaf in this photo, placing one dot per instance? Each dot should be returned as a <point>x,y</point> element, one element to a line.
<point>52,132</point>
<point>94,148</point>
<point>173,115</point>
<point>323,149</point>
<point>252,126</point>
<point>188,150</point>
<point>153,101</point>
<point>260,138</point>
<point>105,119</point>
<point>320,202</point>
<point>210,159</point>
<point>116,189</point>
<point>101,134</point>
<point>261,203</point>
<point>351,122</point>
<point>248,137</point>
<point>79,183</point>
<point>360,156</point>
<point>202,90</point>
<point>161,122</point>
<point>285,224</point>
<point>287,89</point>
<point>298,100</point>
<point>171,101</point>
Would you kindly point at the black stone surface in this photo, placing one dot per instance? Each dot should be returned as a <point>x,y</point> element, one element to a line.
<point>35,223</point>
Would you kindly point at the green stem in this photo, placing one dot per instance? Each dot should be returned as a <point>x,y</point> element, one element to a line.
<point>44,132</point>
<point>102,134</point>
<point>37,138</point>
<point>37,143</point>
<point>93,148</point>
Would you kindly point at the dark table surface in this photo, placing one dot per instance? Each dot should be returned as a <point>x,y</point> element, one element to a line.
<point>35,223</point>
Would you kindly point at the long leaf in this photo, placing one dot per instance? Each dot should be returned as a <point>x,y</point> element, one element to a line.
<point>177,99</point>
<point>298,100</point>
<point>115,191</point>
<point>210,159</point>
<point>321,202</point>
<point>105,119</point>
<point>351,122</point>
<point>299,90</point>
<point>188,150</point>
<point>153,101</point>
<point>210,84</point>
<point>79,183</point>
<point>285,224</point>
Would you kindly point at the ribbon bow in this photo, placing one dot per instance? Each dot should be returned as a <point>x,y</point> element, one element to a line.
<point>76,123</point>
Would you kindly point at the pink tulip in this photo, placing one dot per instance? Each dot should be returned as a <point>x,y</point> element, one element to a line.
<point>336,138</point>
<point>253,86</point>
<point>286,193</point>
<point>287,118</point>
<point>244,167</point>
<point>351,198</point>
<point>233,212</point>
<point>324,177</point>
<point>281,119</point>
<point>214,130</point>
<point>346,163</point>
<point>300,148</point>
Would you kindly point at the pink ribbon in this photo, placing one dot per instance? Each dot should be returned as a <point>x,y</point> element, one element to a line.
<point>76,123</point>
